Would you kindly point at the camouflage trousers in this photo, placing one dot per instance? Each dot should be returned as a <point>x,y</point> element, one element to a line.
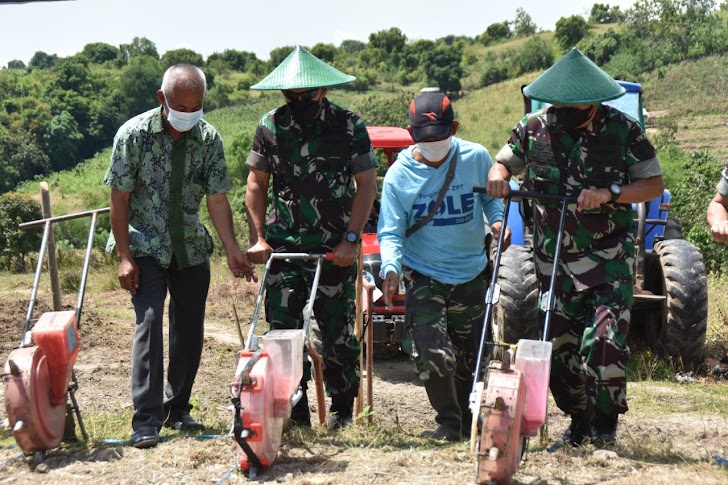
<point>588,330</point>
<point>288,290</point>
<point>443,323</point>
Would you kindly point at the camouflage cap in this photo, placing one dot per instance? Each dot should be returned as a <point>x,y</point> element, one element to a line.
<point>302,70</point>
<point>574,79</point>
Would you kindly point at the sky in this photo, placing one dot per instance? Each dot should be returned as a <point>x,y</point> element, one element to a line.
<point>207,26</point>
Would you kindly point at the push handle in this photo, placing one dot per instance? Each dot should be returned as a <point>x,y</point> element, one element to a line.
<point>318,257</point>
<point>525,194</point>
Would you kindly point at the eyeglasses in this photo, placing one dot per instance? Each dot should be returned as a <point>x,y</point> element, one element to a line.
<point>302,95</point>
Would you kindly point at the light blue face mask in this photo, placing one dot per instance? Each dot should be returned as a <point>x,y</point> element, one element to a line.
<point>180,120</point>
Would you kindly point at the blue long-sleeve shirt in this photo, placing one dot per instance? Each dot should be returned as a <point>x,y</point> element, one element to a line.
<point>451,247</point>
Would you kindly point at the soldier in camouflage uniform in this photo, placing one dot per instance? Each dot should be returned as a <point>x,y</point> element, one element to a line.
<point>718,210</point>
<point>443,262</point>
<point>324,183</point>
<point>163,162</point>
<point>582,148</point>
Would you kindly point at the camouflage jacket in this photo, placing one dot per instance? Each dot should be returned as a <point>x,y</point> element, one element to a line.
<point>598,244</point>
<point>723,183</point>
<point>313,170</point>
<point>141,163</point>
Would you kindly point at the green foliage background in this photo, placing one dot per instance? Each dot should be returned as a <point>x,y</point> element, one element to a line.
<point>58,115</point>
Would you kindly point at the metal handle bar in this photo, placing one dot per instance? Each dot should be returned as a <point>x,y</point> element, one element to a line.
<point>490,297</point>
<point>41,256</point>
<point>529,194</point>
<point>314,287</point>
<point>39,222</point>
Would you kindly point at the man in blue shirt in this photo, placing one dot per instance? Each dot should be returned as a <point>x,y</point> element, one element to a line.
<point>442,261</point>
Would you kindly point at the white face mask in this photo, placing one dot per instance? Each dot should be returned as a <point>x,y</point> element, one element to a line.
<point>434,151</point>
<point>180,120</point>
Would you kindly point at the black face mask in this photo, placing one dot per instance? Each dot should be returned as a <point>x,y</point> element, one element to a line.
<point>571,118</point>
<point>305,112</point>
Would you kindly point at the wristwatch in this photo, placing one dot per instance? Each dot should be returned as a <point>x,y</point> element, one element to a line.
<point>616,191</point>
<point>351,237</point>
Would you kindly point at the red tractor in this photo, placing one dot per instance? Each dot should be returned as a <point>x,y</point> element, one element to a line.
<point>387,322</point>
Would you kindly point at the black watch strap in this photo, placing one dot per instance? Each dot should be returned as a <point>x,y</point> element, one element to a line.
<point>351,237</point>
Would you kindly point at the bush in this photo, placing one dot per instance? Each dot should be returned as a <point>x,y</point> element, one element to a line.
<point>16,243</point>
<point>494,74</point>
<point>690,199</point>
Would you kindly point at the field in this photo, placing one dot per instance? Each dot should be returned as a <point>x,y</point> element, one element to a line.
<point>671,434</point>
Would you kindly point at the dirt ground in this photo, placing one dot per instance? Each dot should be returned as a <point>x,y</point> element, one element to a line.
<point>672,448</point>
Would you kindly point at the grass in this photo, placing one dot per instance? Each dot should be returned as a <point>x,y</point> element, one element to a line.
<point>662,398</point>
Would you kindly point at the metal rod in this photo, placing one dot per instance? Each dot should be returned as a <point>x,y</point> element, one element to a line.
<point>261,292</point>
<point>36,280</point>
<point>489,295</point>
<point>86,263</point>
<point>26,225</point>
<point>554,271</point>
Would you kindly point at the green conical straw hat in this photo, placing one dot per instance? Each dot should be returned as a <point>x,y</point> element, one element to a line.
<point>574,79</point>
<point>302,70</point>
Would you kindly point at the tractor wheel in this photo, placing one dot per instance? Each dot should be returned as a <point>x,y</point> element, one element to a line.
<point>679,329</point>
<point>516,315</point>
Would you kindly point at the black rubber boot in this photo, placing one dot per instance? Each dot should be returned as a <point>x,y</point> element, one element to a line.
<point>463,393</point>
<point>577,434</point>
<point>604,430</point>
<point>300,415</point>
<point>443,397</point>
<point>341,410</point>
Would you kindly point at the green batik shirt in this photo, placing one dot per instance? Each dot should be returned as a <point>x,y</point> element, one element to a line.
<point>165,197</point>
<point>723,184</point>
<point>313,170</point>
<point>598,244</point>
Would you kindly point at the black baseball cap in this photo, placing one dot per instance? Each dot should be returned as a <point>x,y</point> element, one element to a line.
<point>431,117</point>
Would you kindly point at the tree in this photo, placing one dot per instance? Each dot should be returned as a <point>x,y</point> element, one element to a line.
<point>604,14</point>
<point>233,59</point>
<point>325,52</point>
<point>536,55</point>
<point>73,74</point>
<point>140,46</point>
<point>20,158</point>
<point>443,66</point>
<point>351,46</point>
<point>392,40</point>
<point>138,85</point>
<point>523,26</point>
<point>182,56</point>
<point>570,30</point>
<point>62,141</point>
<point>16,243</point>
<point>496,32</point>
<point>278,54</point>
<point>100,52</point>
<point>16,64</point>
<point>41,60</point>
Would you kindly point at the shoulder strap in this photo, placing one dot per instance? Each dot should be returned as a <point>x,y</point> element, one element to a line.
<point>441,196</point>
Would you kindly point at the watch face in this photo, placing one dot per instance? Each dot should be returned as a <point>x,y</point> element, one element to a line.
<point>615,189</point>
<point>351,237</point>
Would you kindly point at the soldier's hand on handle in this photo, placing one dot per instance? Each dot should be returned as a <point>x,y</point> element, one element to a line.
<point>240,265</point>
<point>593,198</point>
<point>128,273</point>
<point>497,185</point>
<point>720,232</point>
<point>345,253</point>
<point>389,287</point>
<point>496,228</point>
<point>259,252</point>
